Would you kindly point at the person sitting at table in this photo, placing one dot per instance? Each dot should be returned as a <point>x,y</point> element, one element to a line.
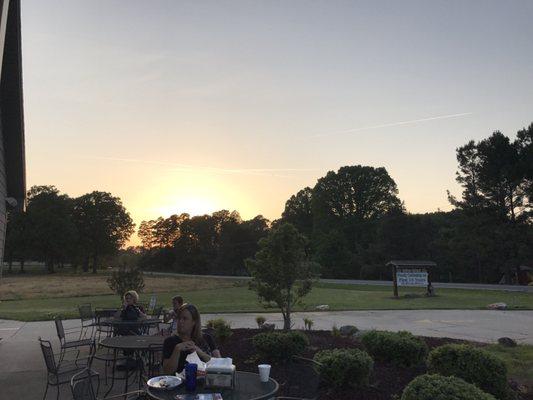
<point>177,302</point>
<point>130,311</point>
<point>189,339</point>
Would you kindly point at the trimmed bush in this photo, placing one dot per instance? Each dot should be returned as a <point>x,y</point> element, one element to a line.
<point>260,320</point>
<point>280,346</point>
<point>474,365</point>
<point>400,348</point>
<point>221,328</point>
<point>438,387</point>
<point>341,367</point>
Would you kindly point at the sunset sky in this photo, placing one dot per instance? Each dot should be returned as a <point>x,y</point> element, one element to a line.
<point>195,106</point>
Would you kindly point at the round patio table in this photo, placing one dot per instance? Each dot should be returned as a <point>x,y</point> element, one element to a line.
<point>247,387</point>
<point>135,343</point>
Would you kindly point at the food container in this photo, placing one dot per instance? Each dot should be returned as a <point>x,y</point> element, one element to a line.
<point>220,373</point>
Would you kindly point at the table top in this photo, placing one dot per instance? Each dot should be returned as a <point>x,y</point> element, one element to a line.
<point>247,387</point>
<point>133,342</point>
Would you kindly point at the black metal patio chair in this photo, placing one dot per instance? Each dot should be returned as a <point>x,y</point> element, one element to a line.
<point>153,361</point>
<point>83,388</point>
<point>87,320</point>
<point>70,344</point>
<point>60,372</point>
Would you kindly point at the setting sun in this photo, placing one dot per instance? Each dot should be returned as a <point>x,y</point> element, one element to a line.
<point>193,205</point>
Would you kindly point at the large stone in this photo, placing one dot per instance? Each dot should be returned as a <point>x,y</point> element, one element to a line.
<point>322,307</point>
<point>507,342</point>
<point>268,327</point>
<point>348,330</point>
<point>497,306</point>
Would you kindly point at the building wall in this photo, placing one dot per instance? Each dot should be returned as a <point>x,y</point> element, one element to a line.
<point>12,154</point>
<point>3,193</point>
<point>3,182</point>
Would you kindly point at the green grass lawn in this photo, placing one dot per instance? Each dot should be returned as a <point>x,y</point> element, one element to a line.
<point>519,361</point>
<point>239,299</point>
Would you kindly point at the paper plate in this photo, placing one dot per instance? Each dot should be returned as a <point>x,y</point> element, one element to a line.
<point>164,382</point>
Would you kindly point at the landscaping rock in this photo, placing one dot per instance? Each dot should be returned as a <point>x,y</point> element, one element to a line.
<point>348,330</point>
<point>322,307</point>
<point>268,327</point>
<point>497,306</point>
<point>507,342</point>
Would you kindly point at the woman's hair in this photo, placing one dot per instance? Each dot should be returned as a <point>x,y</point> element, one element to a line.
<point>196,334</point>
<point>133,294</point>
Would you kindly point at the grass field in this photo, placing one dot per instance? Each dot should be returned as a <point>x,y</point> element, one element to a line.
<point>41,297</point>
<point>519,361</point>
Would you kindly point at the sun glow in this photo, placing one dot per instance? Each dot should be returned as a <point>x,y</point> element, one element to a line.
<point>193,205</point>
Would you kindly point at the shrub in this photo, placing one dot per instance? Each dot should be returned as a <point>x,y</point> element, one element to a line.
<point>437,387</point>
<point>341,367</point>
<point>400,348</point>
<point>475,366</point>
<point>280,346</point>
<point>308,323</point>
<point>221,329</point>
<point>260,321</point>
<point>126,278</point>
<point>335,331</point>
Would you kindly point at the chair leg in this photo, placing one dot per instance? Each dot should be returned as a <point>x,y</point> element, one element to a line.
<point>57,396</point>
<point>46,390</point>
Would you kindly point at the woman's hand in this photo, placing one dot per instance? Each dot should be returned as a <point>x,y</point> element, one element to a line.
<point>185,346</point>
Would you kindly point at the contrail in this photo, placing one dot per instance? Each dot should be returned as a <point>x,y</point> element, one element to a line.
<point>192,168</point>
<point>413,121</point>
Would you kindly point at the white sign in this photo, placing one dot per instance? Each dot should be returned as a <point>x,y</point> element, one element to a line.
<point>412,278</point>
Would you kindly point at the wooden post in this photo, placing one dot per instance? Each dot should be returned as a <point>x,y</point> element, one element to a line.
<point>395,281</point>
<point>430,287</point>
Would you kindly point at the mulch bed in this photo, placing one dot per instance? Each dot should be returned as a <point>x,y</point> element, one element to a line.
<point>387,381</point>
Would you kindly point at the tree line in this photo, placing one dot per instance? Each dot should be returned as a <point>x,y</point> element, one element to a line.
<point>352,218</point>
<point>57,229</point>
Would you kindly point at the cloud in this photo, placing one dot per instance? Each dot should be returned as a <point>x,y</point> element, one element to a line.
<point>208,169</point>
<point>412,121</point>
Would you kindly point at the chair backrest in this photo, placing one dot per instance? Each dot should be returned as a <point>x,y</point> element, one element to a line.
<point>157,312</point>
<point>59,329</point>
<point>48,354</point>
<point>86,312</point>
<point>302,379</point>
<point>82,386</point>
<point>155,359</point>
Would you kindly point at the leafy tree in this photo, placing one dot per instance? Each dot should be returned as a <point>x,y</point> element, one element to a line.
<point>238,241</point>
<point>333,254</point>
<point>281,272</point>
<point>298,211</point>
<point>355,192</point>
<point>17,245</point>
<point>524,143</point>
<point>162,232</point>
<point>126,278</point>
<point>103,224</point>
<point>493,173</point>
<point>52,235</point>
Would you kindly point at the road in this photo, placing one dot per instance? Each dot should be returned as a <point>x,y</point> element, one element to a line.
<point>446,285</point>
